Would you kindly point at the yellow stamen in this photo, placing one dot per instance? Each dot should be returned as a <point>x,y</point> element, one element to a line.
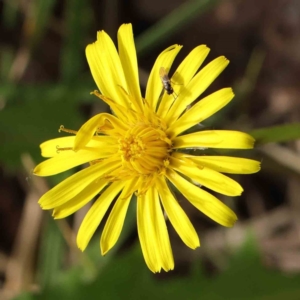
<point>58,149</point>
<point>143,149</point>
<point>62,128</point>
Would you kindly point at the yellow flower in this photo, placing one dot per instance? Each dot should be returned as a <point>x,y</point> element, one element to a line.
<point>142,147</point>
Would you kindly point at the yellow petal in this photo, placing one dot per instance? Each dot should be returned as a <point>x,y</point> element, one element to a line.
<point>74,184</point>
<point>215,139</point>
<point>202,110</point>
<point>115,221</point>
<point>96,213</point>
<point>196,87</point>
<point>227,164</point>
<point>128,58</point>
<point>211,179</point>
<point>88,129</point>
<point>154,84</point>
<point>69,159</point>
<point>202,200</point>
<point>82,198</point>
<point>153,233</point>
<point>106,68</point>
<point>183,75</point>
<point>177,216</point>
<point>162,236</point>
<point>49,148</point>
<point>147,235</point>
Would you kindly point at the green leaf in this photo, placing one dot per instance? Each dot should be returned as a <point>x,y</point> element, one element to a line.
<point>9,13</point>
<point>127,277</point>
<point>32,115</point>
<point>51,254</point>
<point>77,23</point>
<point>42,11</point>
<point>282,133</point>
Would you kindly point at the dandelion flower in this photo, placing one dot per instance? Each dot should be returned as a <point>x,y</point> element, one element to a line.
<point>142,148</point>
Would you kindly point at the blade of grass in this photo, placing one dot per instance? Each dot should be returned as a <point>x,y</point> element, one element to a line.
<point>170,25</point>
<point>276,134</point>
<point>51,254</point>
<point>73,49</point>
<point>42,13</point>
<point>10,13</point>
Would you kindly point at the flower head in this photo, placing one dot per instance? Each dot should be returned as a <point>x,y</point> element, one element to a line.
<point>143,146</point>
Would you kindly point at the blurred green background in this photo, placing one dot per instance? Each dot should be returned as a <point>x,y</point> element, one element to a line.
<point>45,83</point>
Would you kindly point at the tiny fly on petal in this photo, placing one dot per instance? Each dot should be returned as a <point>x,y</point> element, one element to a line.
<point>166,81</point>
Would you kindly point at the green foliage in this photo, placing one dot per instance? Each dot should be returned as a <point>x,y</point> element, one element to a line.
<point>170,25</point>
<point>42,12</point>
<point>51,253</point>
<point>77,23</point>
<point>127,277</point>
<point>276,134</point>
<point>33,115</point>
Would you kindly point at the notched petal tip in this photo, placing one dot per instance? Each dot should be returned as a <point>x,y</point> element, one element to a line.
<point>80,246</point>
<point>35,171</point>
<point>197,244</point>
<point>226,60</point>
<point>101,34</point>
<point>88,47</point>
<point>104,249</point>
<point>255,167</point>
<point>128,25</point>
<point>39,170</point>
<point>170,268</point>
<point>232,222</point>
<point>230,90</point>
<point>238,191</point>
<point>258,167</point>
<point>56,215</point>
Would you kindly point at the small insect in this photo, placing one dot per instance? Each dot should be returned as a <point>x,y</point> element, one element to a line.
<point>166,81</point>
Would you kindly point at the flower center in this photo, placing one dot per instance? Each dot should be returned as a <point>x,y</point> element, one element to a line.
<point>144,149</point>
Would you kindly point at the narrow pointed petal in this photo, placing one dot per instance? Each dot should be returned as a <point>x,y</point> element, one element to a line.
<point>106,68</point>
<point>190,65</point>
<point>74,184</point>
<point>96,213</point>
<point>160,227</point>
<point>202,200</point>
<point>115,221</point>
<point>153,233</point>
<point>52,147</point>
<point>129,63</point>
<point>211,179</point>
<point>147,235</point>
<point>227,164</point>
<point>49,148</point>
<point>81,199</point>
<point>196,87</point>
<point>177,216</point>
<point>154,84</point>
<point>183,75</point>
<point>202,110</point>
<point>215,139</point>
<point>88,129</point>
<point>67,160</point>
